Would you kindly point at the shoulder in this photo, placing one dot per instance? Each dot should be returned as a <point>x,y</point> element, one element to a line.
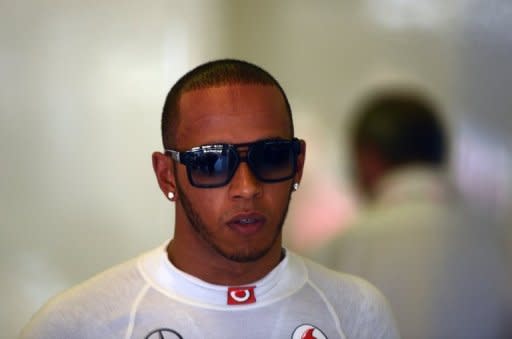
<point>361,308</point>
<point>341,285</point>
<point>88,306</point>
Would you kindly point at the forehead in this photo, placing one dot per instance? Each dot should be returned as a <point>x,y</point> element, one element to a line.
<point>232,114</point>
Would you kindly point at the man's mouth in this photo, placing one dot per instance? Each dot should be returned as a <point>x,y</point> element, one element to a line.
<point>247,224</point>
<point>247,220</point>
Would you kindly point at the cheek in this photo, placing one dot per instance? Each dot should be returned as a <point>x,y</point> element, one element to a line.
<point>278,196</point>
<point>205,202</point>
<point>208,203</point>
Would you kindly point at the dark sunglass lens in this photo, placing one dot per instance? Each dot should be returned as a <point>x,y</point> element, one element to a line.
<point>273,160</point>
<point>210,168</point>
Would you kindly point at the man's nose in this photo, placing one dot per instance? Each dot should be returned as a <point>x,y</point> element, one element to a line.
<point>244,185</point>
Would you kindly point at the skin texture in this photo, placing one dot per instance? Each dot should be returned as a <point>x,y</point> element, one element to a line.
<point>208,241</point>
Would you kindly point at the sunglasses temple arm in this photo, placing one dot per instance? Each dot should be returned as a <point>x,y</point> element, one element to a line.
<point>174,154</point>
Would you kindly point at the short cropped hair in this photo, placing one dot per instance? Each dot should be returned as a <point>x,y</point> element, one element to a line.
<point>403,126</point>
<point>213,74</point>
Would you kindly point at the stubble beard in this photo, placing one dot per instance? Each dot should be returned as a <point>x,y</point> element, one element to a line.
<point>201,229</point>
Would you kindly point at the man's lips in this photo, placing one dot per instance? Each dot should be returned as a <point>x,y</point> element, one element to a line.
<point>247,223</point>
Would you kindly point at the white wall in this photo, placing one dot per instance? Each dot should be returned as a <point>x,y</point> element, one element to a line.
<point>83,84</point>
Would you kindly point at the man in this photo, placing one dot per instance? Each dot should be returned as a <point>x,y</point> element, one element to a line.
<point>230,165</point>
<point>442,271</point>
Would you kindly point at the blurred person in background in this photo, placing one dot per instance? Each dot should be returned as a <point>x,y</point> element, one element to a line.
<point>231,164</point>
<point>442,269</point>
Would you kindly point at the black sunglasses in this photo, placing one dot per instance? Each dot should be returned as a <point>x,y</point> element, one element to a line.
<point>214,165</point>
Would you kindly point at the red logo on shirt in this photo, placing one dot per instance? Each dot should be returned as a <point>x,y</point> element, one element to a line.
<point>241,295</point>
<point>306,331</point>
<point>309,334</point>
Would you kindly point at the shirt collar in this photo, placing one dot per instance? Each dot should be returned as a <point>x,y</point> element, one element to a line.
<point>289,275</point>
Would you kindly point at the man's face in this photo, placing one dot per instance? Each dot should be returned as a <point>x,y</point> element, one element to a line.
<point>242,220</point>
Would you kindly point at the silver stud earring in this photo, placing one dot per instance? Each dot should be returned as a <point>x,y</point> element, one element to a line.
<point>170,196</point>
<point>295,186</point>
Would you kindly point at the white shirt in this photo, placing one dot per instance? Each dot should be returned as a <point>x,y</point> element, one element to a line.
<point>150,298</point>
<point>442,271</point>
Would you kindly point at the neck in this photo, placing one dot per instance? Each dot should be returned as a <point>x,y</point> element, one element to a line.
<point>205,263</point>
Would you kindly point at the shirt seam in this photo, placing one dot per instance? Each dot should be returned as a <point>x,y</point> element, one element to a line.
<point>134,308</point>
<point>329,306</point>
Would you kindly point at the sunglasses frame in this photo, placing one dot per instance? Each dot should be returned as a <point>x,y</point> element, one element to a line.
<point>184,158</point>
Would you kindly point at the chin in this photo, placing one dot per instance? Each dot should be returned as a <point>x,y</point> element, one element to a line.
<point>245,255</point>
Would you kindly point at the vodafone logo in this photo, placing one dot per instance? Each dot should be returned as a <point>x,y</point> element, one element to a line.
<point>307,331</point>
<point>241,295</point>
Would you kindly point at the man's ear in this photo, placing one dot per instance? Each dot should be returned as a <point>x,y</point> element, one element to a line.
<point>164,171</point>
<point>300,161</point>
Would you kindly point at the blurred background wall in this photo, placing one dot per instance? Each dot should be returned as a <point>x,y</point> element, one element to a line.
<point>83,84</point>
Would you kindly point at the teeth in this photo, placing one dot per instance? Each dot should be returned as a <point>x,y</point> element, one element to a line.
<point>247,221</point>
